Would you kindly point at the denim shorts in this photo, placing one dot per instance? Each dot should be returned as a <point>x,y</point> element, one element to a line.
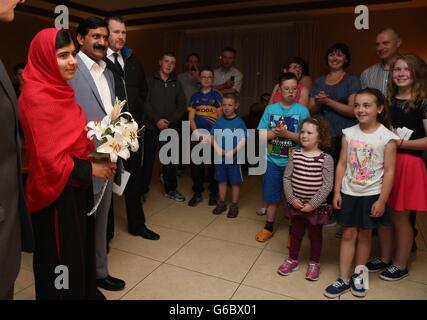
<point>231,173</point>
<point>272,187</point>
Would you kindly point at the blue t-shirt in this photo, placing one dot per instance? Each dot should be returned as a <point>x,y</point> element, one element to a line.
<point>206,106</point>
<point>280,149</point>
<point>340,92</point>
<point>229,132</point>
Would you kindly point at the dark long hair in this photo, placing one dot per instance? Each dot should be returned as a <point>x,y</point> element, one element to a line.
<point>63,39</point>
<point>380,100</point>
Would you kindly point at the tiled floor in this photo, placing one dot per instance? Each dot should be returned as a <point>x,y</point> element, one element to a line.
<point>203,256</point>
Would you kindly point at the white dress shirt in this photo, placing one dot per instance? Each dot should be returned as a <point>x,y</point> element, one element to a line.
<point>222,76</point>
<point>97,72</point>
<point>110,55</point>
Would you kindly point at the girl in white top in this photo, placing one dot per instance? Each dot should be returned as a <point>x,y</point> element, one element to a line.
<point>363,181</point>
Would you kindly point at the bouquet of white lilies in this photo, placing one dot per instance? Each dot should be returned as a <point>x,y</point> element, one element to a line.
<point>118,133</point>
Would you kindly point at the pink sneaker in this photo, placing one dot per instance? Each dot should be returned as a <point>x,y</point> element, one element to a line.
<point>313,271</point>
<point>288,266</point>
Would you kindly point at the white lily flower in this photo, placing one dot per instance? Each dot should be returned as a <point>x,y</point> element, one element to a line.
<point>117,109</point>
<point>115,147</point>
<point>129,130</point>
<point>98,128</point>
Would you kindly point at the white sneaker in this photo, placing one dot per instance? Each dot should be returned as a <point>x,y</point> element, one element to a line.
<point>261,211</point>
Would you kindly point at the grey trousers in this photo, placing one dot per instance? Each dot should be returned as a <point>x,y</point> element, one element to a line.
<point>101,221</point>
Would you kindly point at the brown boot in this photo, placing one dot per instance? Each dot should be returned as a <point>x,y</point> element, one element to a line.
<point>220,208</point>
<point>233,211</point>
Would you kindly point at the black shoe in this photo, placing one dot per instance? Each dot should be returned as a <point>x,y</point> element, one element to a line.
<point>175,195</point>
<point>145,233</point>
<point>110,283</point>
<point>233,211</point>
<point>195,200</point>
<point>213,201</point>
<point>98,295</point>
<point>393,273</point>
<point>376,265</point>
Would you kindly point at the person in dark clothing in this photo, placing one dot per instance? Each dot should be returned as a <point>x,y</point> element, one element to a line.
<point>164,107</point>
<point>130,85</point>
<point>59,187</point>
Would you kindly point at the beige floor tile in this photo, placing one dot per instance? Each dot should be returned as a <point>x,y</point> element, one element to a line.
<point>330,247</point>
<point>173,283</point>
<point>387,290</point>
<point>210,266</point>
<point>27,261</point>
<point>249,293</point>
<point>130,268</point>
<point>24,280</point>
<point>156,203</point>
<point>263,275</point>
<point>240,230</point>
<point>422,236</point>
<point>215,257</point>
<point>417,267</point>
<point>26,294</point>
<point>422,218</point>
<point>170,241</point>
<point>184,218</point>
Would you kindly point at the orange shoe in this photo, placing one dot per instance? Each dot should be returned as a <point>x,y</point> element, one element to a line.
<point>263,235</point>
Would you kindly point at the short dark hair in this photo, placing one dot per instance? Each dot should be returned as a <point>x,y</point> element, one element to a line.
<point>339,47</point>
<point>63,38</point>
<point>207,68</point>
<point>287,76</point>
<point>382,117</point>
<point>229,49</point>
<point>193,54</point>
<point>91,23</point>
<point>300,61</point>
<point>114,18</point>
<point>296,60</point>
<point>17,67</point>
<point>168,54</point>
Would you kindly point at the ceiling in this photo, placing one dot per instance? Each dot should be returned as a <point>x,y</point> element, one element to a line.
<point>166,13</point>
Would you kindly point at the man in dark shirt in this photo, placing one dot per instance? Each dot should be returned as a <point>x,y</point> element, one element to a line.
<point>130,85</point>
<point>164,107</point>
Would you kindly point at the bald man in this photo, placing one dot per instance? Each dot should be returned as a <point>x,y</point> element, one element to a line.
<point>387,44</point>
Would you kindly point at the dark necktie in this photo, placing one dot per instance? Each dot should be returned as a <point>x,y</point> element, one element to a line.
<point>117,63</point>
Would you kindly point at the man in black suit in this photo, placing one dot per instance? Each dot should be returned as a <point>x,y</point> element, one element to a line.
<point>129,78</point>
<point>15,228</point>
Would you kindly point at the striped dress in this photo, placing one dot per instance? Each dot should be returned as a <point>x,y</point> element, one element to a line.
<point>309,179</point>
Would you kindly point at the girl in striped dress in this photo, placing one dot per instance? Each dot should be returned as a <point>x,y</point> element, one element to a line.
<point>307,181</point>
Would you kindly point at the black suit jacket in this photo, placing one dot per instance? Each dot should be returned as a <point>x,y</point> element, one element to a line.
<point>15,226</point>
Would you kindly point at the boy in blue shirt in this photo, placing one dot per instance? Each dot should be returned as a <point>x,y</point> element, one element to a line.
<point>204,110</point>
<point>282,122</point>
<point>228,137</point>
